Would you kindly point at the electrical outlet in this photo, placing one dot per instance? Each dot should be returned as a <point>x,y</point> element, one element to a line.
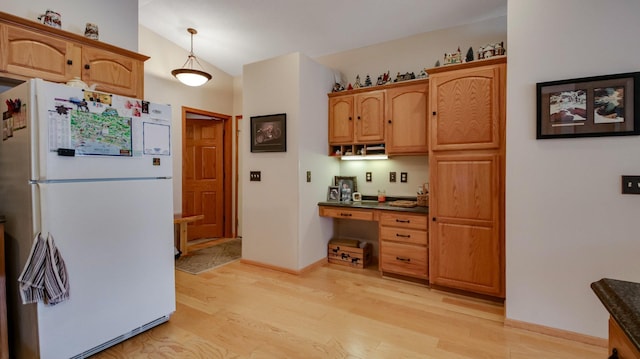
<point>255,176</point>
<point>308,176</point>
<point>403,177</point>
<point>392,176</point>
<point>368,176</point>
<point>630,184</point>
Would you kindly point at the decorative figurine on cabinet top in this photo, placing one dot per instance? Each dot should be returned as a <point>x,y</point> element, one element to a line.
<point>357,84</point>
<point>453,58</point>
<point>367,81</point>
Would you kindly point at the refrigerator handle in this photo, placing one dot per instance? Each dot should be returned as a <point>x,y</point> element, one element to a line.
<point>38,193</point>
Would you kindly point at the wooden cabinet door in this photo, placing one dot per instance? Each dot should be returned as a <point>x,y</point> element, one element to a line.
<point>112,72</point>
<point>407,120</point>
<point>466,108</point>
<point>466,250</point>
<point>32,54</point>
<point>369,121</point>
<point>341,119</point>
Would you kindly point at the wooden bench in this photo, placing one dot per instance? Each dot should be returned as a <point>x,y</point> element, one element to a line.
<point>183,220</point>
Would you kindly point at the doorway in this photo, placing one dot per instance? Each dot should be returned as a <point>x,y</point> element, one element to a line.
<point>206,172</point>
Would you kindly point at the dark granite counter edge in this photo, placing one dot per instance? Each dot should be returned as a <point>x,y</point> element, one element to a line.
<point>375,205</point>
<point>619,297</point>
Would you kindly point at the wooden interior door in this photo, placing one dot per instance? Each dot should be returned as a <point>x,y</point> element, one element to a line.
<point>203,177</point>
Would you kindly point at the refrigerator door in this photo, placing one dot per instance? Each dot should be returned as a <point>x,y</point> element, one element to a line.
<point>116,238</point>
<point>112,136</point>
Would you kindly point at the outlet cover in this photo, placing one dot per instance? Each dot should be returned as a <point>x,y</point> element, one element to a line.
<point>403,177</point>
<point>392,176</point>
<point>308,176</point>
<point>630,184</point>
<point>368,176</point>
<point>255,176</point>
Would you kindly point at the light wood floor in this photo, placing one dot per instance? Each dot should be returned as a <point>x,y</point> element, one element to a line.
<point>244,311</point>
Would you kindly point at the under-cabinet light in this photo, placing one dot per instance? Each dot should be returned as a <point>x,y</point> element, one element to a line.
<point>367,157</point>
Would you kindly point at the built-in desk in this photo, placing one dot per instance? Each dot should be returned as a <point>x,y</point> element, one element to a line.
<point>402,234</point>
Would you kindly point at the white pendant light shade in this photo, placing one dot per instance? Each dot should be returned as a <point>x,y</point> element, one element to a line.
<point>187,74</point>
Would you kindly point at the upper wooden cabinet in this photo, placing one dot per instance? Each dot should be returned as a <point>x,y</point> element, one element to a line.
<point>465,107</point>
<point>393,115</point>
<point>356,118</point>
<point>29,49</point>
<point>407,119</point>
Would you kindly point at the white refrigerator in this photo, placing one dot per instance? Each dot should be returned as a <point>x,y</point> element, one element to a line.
<point>93,170</point>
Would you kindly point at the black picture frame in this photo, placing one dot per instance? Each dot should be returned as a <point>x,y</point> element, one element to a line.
<point>347,185</point>
<point>269,133</point>
<point>333,194</point>
<point>588,107</point>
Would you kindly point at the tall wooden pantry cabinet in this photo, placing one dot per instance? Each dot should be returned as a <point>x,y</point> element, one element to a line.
<point>467,176</point>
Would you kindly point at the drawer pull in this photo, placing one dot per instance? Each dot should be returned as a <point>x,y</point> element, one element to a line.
<point>403,235</point>
<point>614,354</point>
<point>346,214</point>
<point>402,259</point>
<point>403,221</point>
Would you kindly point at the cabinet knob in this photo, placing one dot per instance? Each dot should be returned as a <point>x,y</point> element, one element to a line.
<point>433,219</point>
<point>87,67</point>
<point>69,62</point>
<point>614,354</point>
<point>350,118</point>
<point>358,117</point>
<point>389,121</point>
<point>434,113</point>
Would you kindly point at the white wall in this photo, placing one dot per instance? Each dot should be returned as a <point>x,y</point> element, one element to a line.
<point>567,225</point>
<point>117,20</point>
<point>270,207</point>
<point>280,212</point>
<point>315,232</point>
<point>160,86</point>
<point>414,53</point>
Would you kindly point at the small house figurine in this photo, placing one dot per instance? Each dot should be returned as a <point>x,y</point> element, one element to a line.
<point>453,58</point>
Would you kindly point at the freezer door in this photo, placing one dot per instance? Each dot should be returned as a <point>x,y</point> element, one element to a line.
<point>116,238</point>
<point>112,136</point>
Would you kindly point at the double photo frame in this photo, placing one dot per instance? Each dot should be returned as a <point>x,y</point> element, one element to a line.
<point>589,107</point>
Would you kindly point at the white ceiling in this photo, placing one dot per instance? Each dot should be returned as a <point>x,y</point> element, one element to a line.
<point>232,33</point>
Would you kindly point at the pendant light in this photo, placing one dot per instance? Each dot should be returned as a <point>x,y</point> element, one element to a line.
<point>188,75</point>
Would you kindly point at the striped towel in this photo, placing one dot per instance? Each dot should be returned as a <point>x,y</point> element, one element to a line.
<point>44,277</point>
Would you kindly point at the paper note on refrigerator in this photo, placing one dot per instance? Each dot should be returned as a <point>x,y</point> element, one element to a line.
<point>156,139</point>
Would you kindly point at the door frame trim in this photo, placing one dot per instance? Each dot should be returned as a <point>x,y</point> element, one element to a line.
<point>227,161</point>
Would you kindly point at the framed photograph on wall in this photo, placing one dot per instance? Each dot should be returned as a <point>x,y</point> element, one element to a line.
<point>269,133</point>
<point>589,107</point>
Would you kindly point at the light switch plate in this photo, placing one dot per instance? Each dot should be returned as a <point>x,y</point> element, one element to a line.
<point>308,176</point>
<point>255,176</point>
<point>630,184</point>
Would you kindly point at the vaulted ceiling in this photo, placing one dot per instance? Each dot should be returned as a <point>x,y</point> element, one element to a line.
<point>232,33</point>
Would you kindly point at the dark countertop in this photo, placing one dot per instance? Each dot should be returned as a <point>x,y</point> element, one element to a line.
<point>622,300</point>
<point>375,205</point>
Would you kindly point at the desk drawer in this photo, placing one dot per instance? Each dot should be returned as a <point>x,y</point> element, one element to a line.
<point>346,213</point>
<point>404,259</point>
<point>409,236</point>
<point>402,220</point>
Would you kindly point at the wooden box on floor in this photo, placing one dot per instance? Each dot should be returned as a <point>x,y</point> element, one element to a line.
<point>348,252</point>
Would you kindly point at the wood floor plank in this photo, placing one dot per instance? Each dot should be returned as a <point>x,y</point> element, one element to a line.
<point>245,311</point>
